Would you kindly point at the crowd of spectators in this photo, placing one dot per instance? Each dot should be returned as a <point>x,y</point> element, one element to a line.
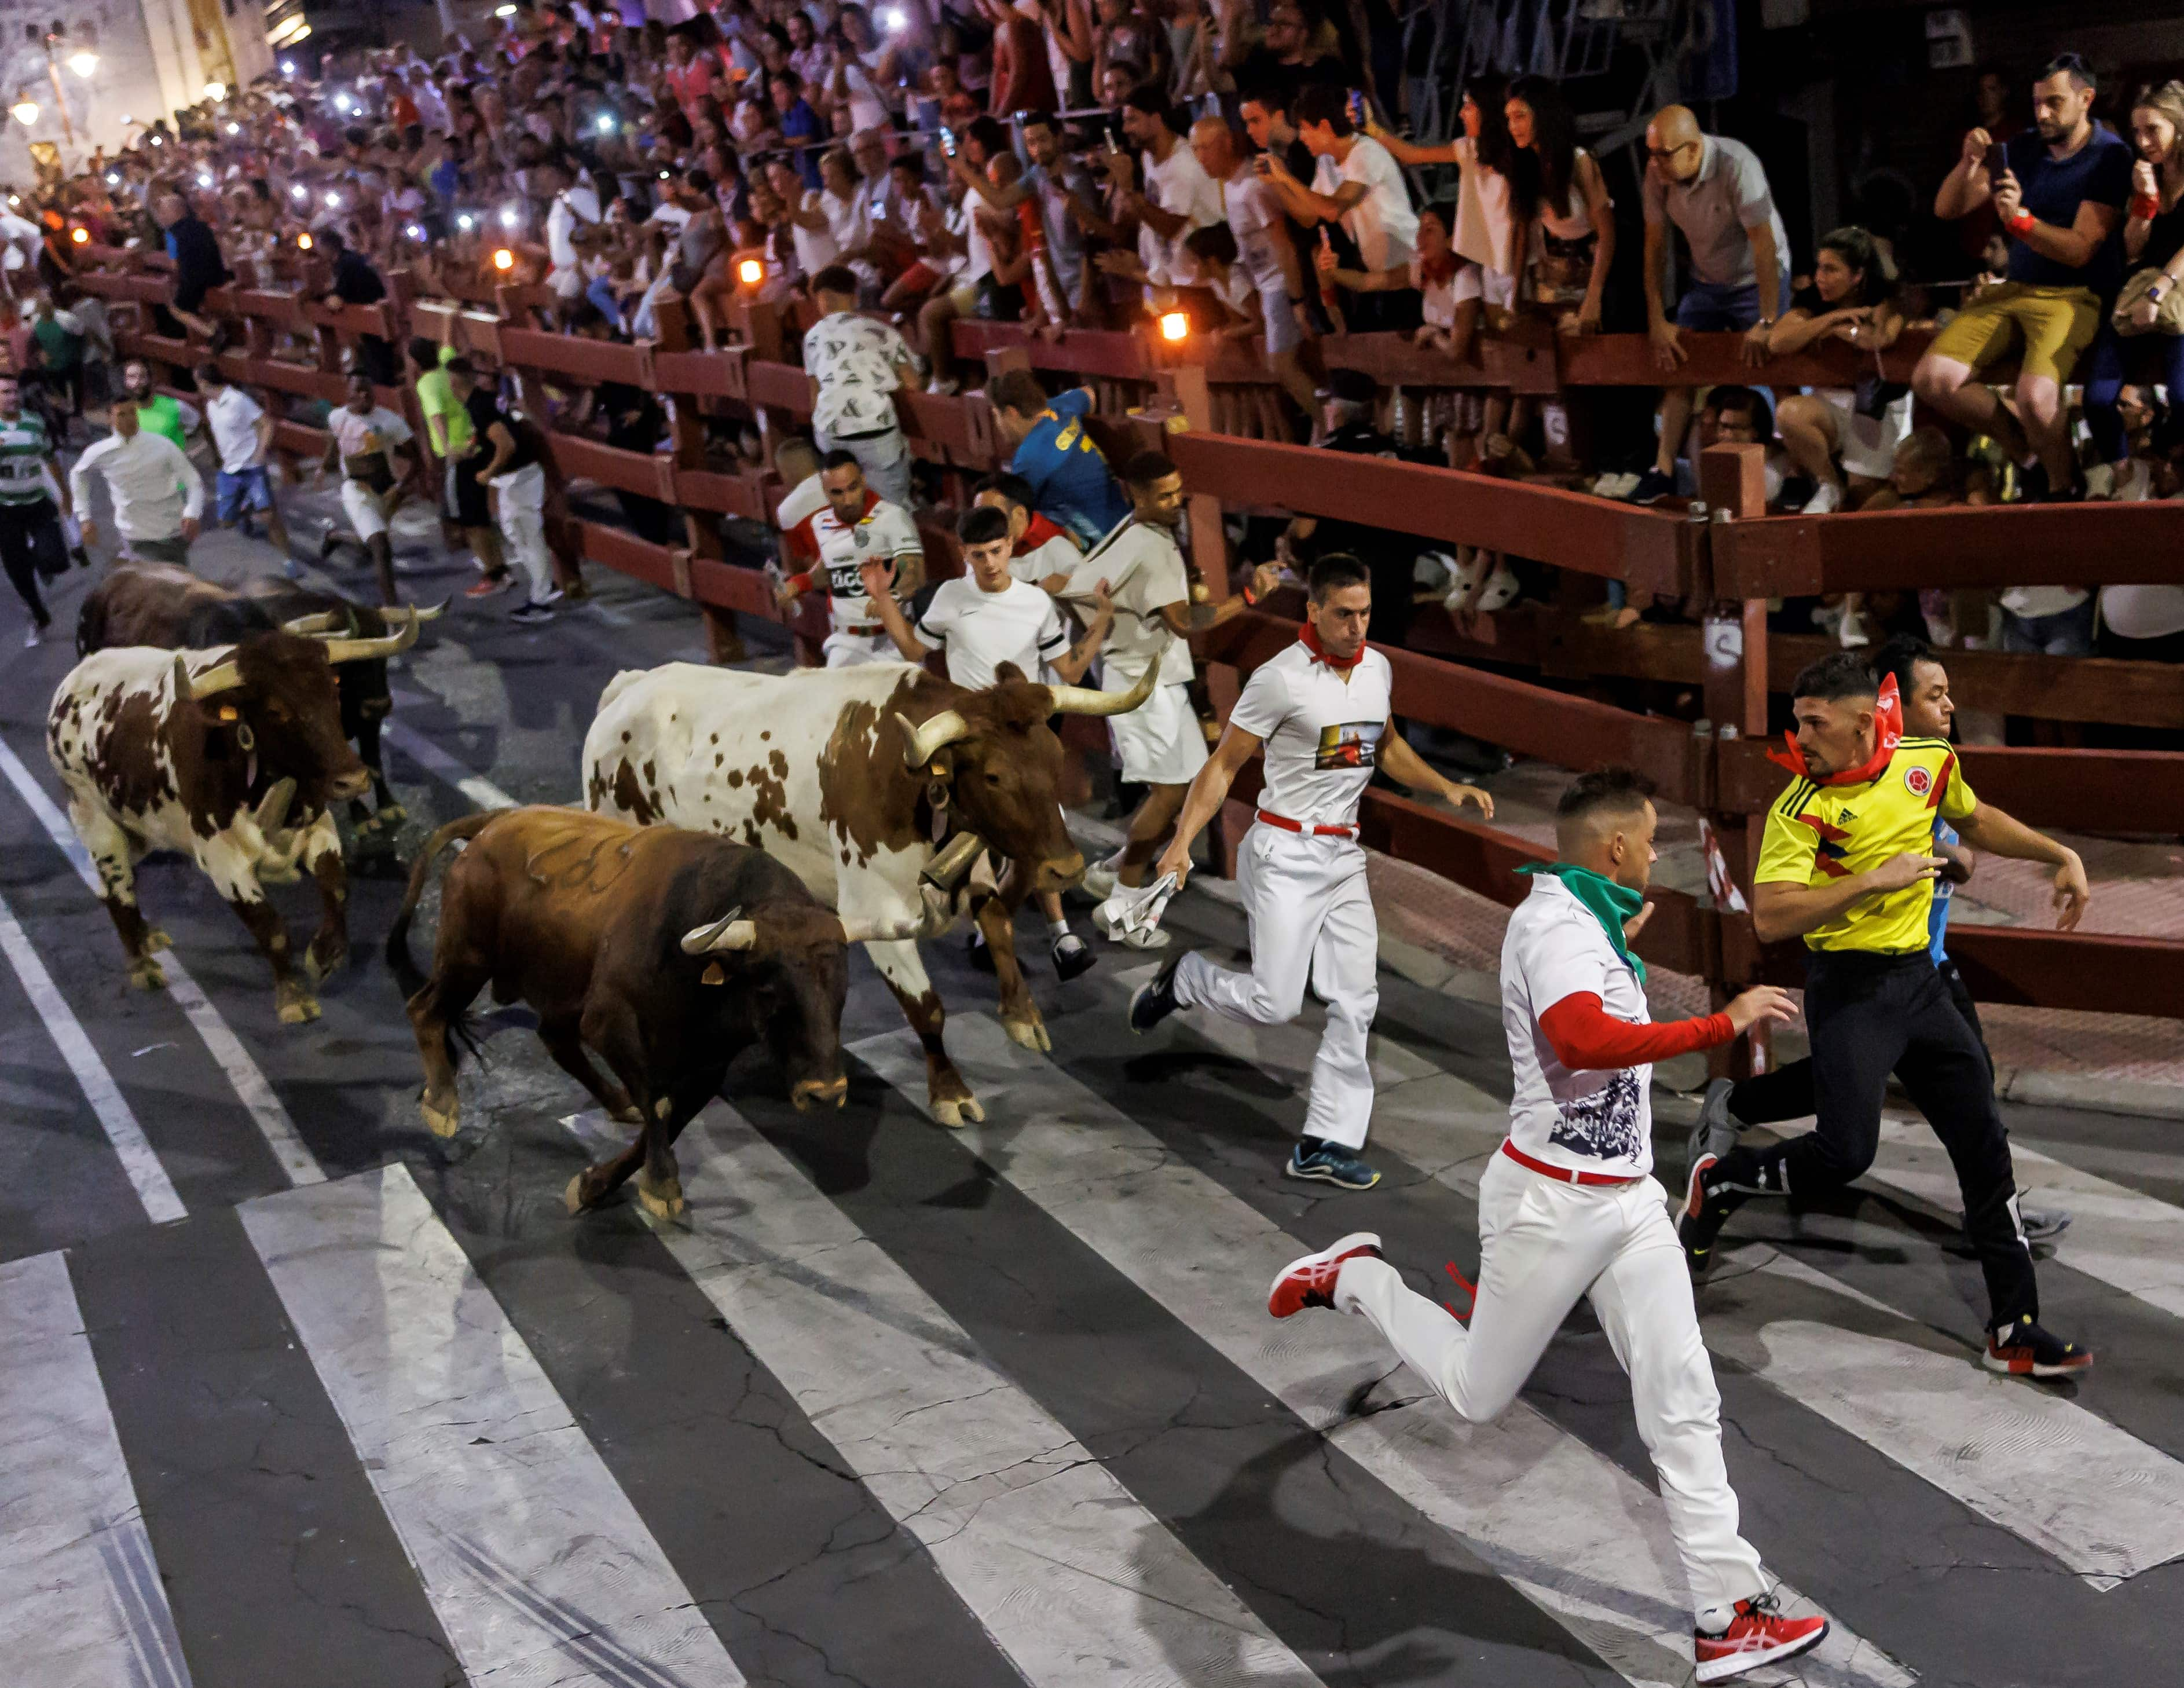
<point>1077,164</point>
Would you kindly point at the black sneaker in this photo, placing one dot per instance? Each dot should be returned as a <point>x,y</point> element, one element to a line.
<point>980,957</point>
<point>532,615</point>
<point>1073,957</point>
<point>1154,1000</point>
<point>1325,1162</point>
<point>1705,1212</point>
<point>2024,1350</point>
<point>1652,487</point>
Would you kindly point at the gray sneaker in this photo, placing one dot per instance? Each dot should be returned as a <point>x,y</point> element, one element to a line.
<point>1715,1135</point>
<point>2042,1223</point>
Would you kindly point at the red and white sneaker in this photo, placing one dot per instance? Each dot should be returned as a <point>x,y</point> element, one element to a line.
<point>1758,1635</point>
<point>1310,1282</point>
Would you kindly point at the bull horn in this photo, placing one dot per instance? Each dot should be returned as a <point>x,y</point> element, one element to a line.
<point>325,621</point>
<point>273,807</point>
<point>367,650</point>
<point>431,612</point>
<point>1084,700</point>
<point>920,744</point>
<point>730,932</point>
<point>224,676</point>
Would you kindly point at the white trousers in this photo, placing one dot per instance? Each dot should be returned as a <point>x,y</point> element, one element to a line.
<point>1543,1244</point>
<point>522,515</point>
<point>1311,920</point>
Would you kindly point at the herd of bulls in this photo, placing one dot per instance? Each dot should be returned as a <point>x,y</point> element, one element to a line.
<point>742,830</point>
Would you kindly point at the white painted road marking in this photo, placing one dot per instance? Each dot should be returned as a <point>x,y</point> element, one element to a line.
<point>1576,1535</point>
<point>1072,1577</point>
<point>540,1569</point>
<point>81,1605</point>
<point>433,760</point>
<point>138,1160</point>
<point>244,1075</point>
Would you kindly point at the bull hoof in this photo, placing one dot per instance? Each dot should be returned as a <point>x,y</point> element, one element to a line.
<point>147,974</point>
<point>323,968</point>
<point>441,1122</point>
<point>1029,1034</point>
<point>293,1005</point>
<point>573,1197</point>
<point>157,938</point>
<point>957,1112</point>
<point>663,1200</point>
<point>629,1114</point>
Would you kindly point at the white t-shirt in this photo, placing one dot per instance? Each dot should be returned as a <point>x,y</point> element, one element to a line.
<point>854,359</point>
<point>1322,733</point>
<point>1180,186</point>
<point>1382,223</point>
<point>850,220</point>
<point>576,208</point>
<point>1058,556</point>
<point>378,429</point>
<point>840,551</point>
<point>1485,232</point>
<point>1257,219</point>
<point>1592,1121</point>
<point>981,630</point>
<point>816,249</point>
<point>233,415</point>
<point>1145,573</point>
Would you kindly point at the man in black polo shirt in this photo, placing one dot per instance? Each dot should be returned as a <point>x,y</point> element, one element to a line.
<point>198,266</point>
<point>504,456</point>
<point>356,282</point>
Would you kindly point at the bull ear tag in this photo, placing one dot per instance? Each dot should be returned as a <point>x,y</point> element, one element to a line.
<point>714,974</point>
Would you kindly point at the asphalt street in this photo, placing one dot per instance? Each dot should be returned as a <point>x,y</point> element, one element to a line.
<point>297,1394</point>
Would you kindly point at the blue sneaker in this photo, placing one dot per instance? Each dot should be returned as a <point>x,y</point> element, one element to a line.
<point>1329,1163</point>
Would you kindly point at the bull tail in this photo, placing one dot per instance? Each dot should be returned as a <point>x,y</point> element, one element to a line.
<point>91,624</point>
<point>399,961</point>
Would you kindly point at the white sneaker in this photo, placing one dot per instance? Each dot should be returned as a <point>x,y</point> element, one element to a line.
<point>1499,591</point>
<point>1856,632</point>
<point>1826,501</point>
<point>1100,876</point>
<point>33,636</point>
<point>1471,572</point>
<point>553,594</point>
<point>2101,482</point>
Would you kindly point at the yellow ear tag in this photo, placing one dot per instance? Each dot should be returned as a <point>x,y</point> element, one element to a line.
<point>228,712</point>
<point>713,974</point>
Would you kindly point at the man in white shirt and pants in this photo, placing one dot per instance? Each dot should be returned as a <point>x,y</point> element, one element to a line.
<point>1322,711</point>
<point>1569,1208</point>
<point>988,621</point>
<point>158,496</point>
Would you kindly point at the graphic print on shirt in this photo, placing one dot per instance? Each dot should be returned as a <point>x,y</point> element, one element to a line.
<point>1605,1124</point>
<point>1828,853</point>
<point>1348,745</point>
<point>845,577</point>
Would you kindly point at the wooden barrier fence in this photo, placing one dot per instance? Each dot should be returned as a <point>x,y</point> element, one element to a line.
<point>1738,559</point>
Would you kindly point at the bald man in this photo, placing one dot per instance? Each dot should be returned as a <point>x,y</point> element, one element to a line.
<point>1715,190</point>
<point>1264,249</point>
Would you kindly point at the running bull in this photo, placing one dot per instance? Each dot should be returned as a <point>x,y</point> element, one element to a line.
<point>856,778</point>
<point>665,952</point>
<point>210,753</point>
<point>156,604</point>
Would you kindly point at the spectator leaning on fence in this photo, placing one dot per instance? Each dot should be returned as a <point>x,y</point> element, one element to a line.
<point>2152,302</point>
<point>2060,192</point>
<point>856,364</point>
<point>1176,196</point>
<point>1714,190</point>
<point>1845,434</point>
<point>1356,185</point>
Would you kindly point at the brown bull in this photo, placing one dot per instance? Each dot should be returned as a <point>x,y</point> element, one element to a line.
<point>664,952</point>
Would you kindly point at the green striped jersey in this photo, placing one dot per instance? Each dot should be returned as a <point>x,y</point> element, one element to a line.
<point>25,452</point>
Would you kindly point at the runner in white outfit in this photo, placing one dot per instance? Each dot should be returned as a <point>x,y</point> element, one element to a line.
<point>1569,1208</point>
<point>1321,710</point>
<point>855,527</point>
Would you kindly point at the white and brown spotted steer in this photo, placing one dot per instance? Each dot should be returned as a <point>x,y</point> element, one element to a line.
<point>204,752</point>
<point>853,779</point>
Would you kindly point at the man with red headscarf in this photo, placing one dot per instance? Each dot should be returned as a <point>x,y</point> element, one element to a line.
<point>1848,864</point>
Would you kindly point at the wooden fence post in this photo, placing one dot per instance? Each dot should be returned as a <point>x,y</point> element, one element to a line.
<point>724,642</point>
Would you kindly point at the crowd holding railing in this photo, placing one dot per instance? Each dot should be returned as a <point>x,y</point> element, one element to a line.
<point>641,293</point>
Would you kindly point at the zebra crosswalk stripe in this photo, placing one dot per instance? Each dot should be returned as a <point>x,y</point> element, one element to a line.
<point>81,1605</point>
<point>538,1566</point>
<point>1070,1574</point>
<point>1580,1538</point>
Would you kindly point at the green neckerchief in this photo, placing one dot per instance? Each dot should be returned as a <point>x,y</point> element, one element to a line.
<point>1611,904</point>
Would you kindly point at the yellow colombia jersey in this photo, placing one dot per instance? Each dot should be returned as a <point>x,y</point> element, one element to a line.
<point>1816,833</point>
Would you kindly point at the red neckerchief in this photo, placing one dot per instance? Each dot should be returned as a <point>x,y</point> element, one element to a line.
<point>1888,730</point>
<point>1339,665</point>
<point>1036,533</point>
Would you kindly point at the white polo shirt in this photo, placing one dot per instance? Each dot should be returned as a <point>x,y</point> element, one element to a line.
<point>981,630</point>
<point>1322,733</point>
<point>839,550</point>
<point>232,415</point>
<point>1592,1121</point>
<point>1145,573</point>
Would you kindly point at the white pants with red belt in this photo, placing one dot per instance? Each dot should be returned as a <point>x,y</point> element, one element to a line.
<point>1542,1244</point>
<point>1312,921</point>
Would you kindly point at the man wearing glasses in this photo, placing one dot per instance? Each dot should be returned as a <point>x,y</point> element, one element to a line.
<point>1715,190</point>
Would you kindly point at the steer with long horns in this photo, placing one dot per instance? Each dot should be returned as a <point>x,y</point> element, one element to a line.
<point>861,781</point>
<point>156,604</point>
<point>229,755</point>
<point>663,952</point>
